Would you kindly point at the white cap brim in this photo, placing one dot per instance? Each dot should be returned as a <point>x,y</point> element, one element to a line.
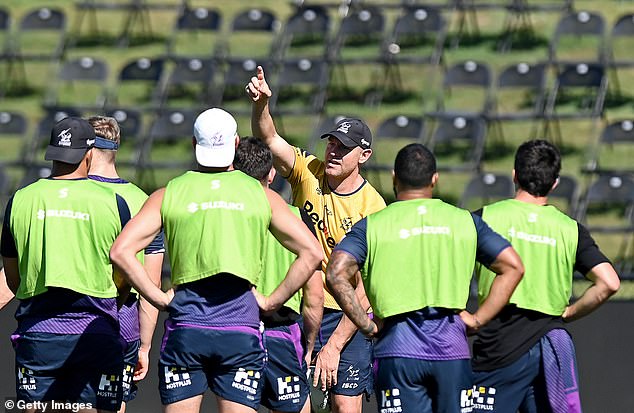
<point>215,158</point>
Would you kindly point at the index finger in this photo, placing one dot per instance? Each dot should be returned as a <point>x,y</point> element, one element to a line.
<point>260,73</point>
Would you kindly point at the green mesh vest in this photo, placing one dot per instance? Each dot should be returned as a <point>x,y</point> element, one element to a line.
<point>421,253</point>
<point>134,197</point>
<point>546,240</point>
<point>215,223</point>
<point>276,263</point>
<point>63,230</point>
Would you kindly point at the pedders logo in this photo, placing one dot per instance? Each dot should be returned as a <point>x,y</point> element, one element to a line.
<point>319,223</point>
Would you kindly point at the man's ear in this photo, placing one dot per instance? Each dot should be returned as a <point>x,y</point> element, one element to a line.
<point>365,155</point>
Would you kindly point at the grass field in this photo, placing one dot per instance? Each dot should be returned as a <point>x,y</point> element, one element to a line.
<point>579,138</point>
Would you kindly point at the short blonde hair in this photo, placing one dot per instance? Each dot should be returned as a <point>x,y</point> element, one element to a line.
<point>106,127</point>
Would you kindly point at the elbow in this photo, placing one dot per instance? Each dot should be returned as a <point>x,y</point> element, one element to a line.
<point>612,286</point>
<point>117,254</point>
<point>315,255</point>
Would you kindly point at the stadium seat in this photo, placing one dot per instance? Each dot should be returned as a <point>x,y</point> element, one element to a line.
<point>139,84</point>
<point>191,80</point>
<point>306,33</point>
<point>81,82</point>
<point>486,188</point>
<point>301,86</point>
<point>357,43</point>
<point>391,135</point>
<point>197,33</point>
<point>520,95</point>
<point>41,35</point>
<point>458,143</point>
<point>607,210</point>
<point>583,84</point>
<point>563,48</point>
<point>255,28</point>
<point>417,39</point>
<point>614,151</point>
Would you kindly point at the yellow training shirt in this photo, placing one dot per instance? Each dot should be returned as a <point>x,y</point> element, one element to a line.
<point>333,214</point>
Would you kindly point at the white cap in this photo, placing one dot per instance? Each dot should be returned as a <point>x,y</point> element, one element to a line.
<point>215,131</point>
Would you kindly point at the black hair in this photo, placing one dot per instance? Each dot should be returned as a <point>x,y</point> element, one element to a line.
<point>537,166</point>
<point>253,158</point>
<point>415,166</point>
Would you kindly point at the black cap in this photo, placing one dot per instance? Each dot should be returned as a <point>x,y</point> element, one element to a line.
<point>351,132</point>
<point>71,138</point>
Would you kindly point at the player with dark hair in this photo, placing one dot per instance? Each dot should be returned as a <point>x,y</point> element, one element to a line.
<point>216,222</point>
<point>524,358</point>
<point>336,196</point>
<point>55,242</point>
<point>286,386</point>
<point>416,259</point>
<point>137,317</point>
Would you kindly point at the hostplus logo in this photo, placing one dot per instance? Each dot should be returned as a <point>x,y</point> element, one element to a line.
<point>26,381</point>
<point>126,381</point>
<point>288,388</point>
<point>391,401</point>
<point>176,377</point>
<point>484,398</point>
<point>247,380</point>
<point>108,385</point>
<point>466,400</point>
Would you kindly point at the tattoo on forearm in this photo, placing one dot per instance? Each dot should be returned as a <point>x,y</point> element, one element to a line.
<point>341,281</point>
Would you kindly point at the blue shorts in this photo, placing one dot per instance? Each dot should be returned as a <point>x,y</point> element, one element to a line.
<point>545,376</point>
<point>227,360</point>
<point>79,368</point>
<point>423,386</point>
<point>504,389</point>
<point>130,358</point>
<point>286,386</point>
<point>355,365</point>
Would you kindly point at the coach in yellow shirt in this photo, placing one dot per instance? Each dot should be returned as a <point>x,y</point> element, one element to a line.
<point>335,196</point>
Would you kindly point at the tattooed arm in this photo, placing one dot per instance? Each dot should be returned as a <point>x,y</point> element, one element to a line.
<point>341,281</point>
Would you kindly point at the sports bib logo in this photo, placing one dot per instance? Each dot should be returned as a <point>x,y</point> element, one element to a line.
<point>391,401</point>
<point>176,377</point>
<point>288,388</point>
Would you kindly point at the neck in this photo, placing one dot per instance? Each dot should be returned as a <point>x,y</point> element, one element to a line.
<point>414,193</point>
<point>67,171</point>
<point>524,196</point>
<point>207,169</point>
<point>345,185</point>
<point>105,169</point>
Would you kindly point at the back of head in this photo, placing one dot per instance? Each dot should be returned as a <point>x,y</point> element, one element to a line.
<point>108,137</point>
<point>106,128</point>
<point>414,166</point>
<point>537,166</point>
<point>253,158</point>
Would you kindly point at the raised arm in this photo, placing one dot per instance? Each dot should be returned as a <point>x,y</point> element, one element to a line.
<point>262,125</point>
<point>605,283</point>
<point>296,237</point>
<point>136,235</point>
